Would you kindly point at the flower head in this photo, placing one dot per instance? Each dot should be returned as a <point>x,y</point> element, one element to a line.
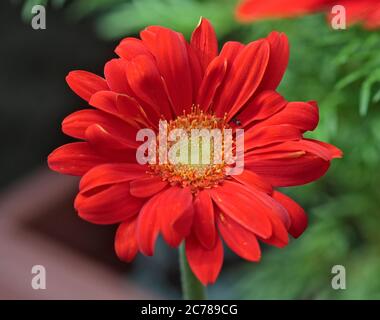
<point>366,12</point>
<point>192,85</point>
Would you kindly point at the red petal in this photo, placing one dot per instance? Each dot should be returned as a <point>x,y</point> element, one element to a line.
<point>103,141</point>
<point>254,10</point>
<point>121,106</point>
<point>280,225</point>
<point>204,42</point>
<point>110,147</point>
<point>290,171</point>
<point>129,109</point>
<point>114,72</point>
<point>278,61</point>
<point>129,48</point>
<point>76,124</point>
<point>244,78</point>
<point>239,239</point>
<point>107,206</point>
<point>252,180</point>
<point>149,37</point>
<point>260,136</point>
<point>231,50</point>
<point>74,159</point>
<point>244,206</point>
<point>105,101</point>
<point>334,151</point>
<point>100,138</point>
<point>263,106</point>
<point>107,174</point>
<point>196,70</point>
<point>372,21</point>
<point>145,187</point>
<point>85,84</point>
<point>302,115</point>
<point>146,82</point>
<point>205,264</point>
<point>170,51</point>
<point>204,220</point>
<point>288,150</point>
<point>148,225</point>
<point>212,80</point>
<point>125,240</point>
<point>297,215</point>
<point>169,211</point>
<point>176,214</point>
<point>310,146</point>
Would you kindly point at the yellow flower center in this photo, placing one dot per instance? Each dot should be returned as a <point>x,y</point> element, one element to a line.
<point>201,163</point>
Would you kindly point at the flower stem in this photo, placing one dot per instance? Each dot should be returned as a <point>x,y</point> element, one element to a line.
<point>192,289</point>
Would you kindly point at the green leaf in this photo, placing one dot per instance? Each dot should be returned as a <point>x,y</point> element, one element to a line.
<point>182,15</point>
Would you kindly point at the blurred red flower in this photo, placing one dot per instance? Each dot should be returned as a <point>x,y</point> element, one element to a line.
<point>163,76</point>
<point>358,11</point>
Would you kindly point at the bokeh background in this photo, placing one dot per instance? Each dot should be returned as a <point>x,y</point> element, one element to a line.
<point>339,69</point>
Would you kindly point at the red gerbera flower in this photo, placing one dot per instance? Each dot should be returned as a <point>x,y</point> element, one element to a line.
<point>365,11</point>
<point>163,76</point>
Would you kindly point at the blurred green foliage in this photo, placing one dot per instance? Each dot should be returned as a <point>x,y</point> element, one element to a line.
<point>117,18</point>
<point>339,69</point>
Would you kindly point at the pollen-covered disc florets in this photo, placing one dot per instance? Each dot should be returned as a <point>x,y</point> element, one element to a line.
<point>204,133</point>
